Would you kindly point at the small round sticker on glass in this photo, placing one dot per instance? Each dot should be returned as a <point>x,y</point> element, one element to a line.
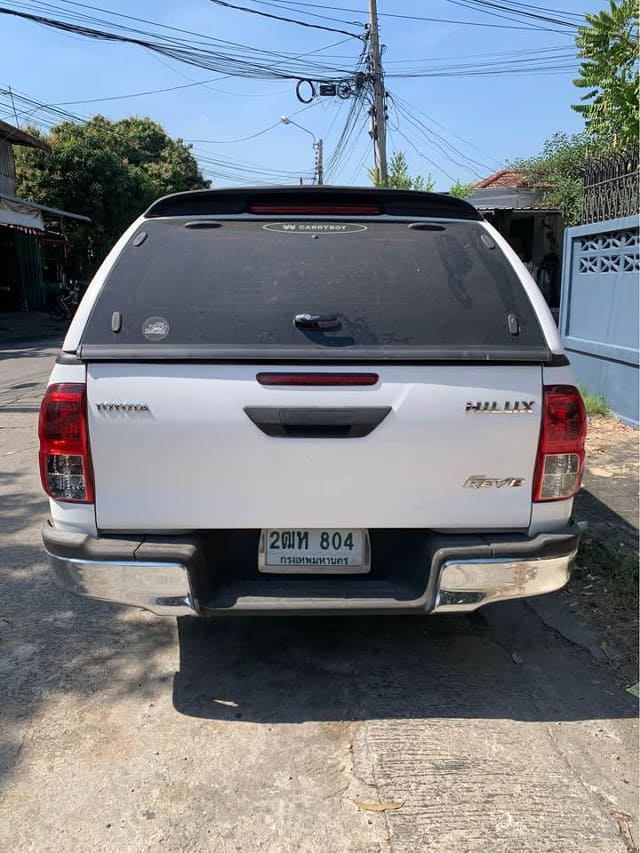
<point>155,328</point>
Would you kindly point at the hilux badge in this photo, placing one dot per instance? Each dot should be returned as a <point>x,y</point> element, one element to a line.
<point>492,407</point>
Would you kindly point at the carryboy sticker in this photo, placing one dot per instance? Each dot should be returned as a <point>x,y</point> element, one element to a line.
<point>155,328</point>
<point>315,227</point>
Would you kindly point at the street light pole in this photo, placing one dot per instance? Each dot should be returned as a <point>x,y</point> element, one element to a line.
<point>318,147</point>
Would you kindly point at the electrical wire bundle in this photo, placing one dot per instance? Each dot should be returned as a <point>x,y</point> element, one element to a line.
<point>227,59</point>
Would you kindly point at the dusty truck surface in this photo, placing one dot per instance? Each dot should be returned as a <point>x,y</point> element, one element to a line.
<point>311,400</point>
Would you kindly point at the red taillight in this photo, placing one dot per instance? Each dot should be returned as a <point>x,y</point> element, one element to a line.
<point>65,458</point>
<point>323,379</point>
<point>316,209</point>
<point>560,460</point>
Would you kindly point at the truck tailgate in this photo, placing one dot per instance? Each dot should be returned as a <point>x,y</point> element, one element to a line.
<point>193,459</point>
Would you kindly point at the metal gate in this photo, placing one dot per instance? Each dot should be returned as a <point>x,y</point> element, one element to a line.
<point>600,308</point>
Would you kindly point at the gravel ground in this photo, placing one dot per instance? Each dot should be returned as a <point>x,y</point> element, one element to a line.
<point>603,593</point>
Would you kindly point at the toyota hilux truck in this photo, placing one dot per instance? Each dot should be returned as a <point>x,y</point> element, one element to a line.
<point>311,400</point>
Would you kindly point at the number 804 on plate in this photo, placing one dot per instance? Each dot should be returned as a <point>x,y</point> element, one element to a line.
<point>322,551</point>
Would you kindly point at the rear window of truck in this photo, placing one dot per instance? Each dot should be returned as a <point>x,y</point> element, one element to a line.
<point>233,289</point>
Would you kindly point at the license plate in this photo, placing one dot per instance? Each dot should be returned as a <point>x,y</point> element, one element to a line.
<point>324,551</point>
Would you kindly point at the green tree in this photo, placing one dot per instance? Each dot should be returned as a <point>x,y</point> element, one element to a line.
<point>608,46</point>
<point>399,178</point>
<point>109,171</point>
<point>461,190</point>
<point>558,172</point>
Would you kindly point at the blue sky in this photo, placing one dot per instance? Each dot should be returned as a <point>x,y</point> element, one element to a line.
<point>490,120</point>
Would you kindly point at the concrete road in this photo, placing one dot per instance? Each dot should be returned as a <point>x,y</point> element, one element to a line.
<point>122,731</point>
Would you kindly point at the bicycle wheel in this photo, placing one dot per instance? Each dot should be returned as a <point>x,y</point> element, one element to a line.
<point>58,311</point>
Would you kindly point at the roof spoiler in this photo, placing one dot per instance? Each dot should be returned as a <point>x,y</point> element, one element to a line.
<point>316,201</point>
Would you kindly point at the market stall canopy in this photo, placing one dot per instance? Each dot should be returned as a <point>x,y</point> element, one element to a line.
<point>19,214</point>
<point>29,216</point>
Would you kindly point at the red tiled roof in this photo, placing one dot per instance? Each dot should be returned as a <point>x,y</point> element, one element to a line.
<point>503,178</point>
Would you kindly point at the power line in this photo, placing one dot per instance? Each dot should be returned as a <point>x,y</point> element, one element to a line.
<point>540,66</point>
<point>242,171</point>
<point>455,135</point>
<point>527,7</point>
<point>242,64</point>
<point>424,156</point>
<point>361,162</point>
<point>309,14</point>
<point>246,138</point>
<point>343,152</point>
<point>228,169</point>
<point>48,6</point>
<point>217,89</point>
<point>124,16</point>
<point>300,5</point>
<point>270,65</point>
<point>433,139</point>
<point>250,171</point>
<point>236,60</point>
<point>135,94</point>
<point>514,13</point>
<point>508,54</point>
<point>344,137</point>
<point>287,20</point>
<point>437,141</point>
<point>191,84</point>
<point>51,110</point>
<point>334,121</point>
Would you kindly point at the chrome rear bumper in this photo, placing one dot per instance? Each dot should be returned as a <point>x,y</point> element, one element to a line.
<point>162,588</point>
<point>158,575</point>
<point>468,584</point>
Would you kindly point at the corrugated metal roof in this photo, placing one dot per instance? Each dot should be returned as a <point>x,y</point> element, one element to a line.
<point>493,209</point>
<point>507,198</point>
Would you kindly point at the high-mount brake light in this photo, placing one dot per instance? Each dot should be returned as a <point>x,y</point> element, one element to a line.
<point>318,379</point>
<point>563,432</point>
<point>316,209</point>
<point>65,458</point>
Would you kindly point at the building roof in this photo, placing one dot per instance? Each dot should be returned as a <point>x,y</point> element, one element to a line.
<point>15,136</point>
<point>508,198</point>
<point>502,178</point>
<point>42,209</point>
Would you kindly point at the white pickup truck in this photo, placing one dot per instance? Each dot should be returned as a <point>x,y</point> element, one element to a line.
<point>311,400</point>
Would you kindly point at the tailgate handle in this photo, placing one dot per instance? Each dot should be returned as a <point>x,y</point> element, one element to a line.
<point>319,322</point>
<point>317,422</point>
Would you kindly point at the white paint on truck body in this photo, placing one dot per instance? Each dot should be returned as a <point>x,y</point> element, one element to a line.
<point>196,461</point>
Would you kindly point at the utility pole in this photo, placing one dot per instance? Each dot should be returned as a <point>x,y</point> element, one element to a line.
<point>378,109</point>
<point>319,162</point>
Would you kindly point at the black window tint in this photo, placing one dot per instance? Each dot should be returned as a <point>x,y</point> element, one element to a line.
<point>236,289</point>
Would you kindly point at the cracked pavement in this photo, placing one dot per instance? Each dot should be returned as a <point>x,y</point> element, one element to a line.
<point>122,731</point>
